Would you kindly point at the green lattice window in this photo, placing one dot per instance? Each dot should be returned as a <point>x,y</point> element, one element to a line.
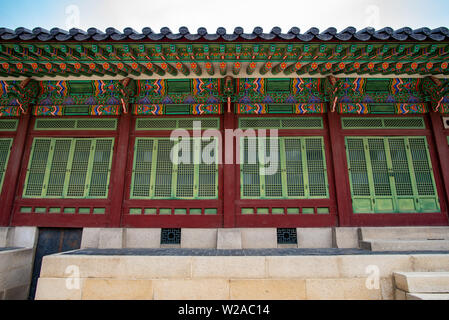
<point>391,175</point>
<point>69,168</point>
<point>5,148</point>
<point>189,175</point>
<point>298,172</point>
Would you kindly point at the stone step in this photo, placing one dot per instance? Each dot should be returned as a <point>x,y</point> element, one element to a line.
<point>405,245</point>
<point>422,282</point>
<point>427,296</point>
<point>404,233</point>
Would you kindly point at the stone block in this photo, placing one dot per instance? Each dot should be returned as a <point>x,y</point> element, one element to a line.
<point>363,266</point>
<point>17,293</point>
<point>16,277</point>
<point>114,289</point>
<point>143,237</point>
<point>90,238</point>
<point>345,237</point>
<point>399,295</point>
<point>197,289</point>
<point>229,239</point>
<point>404,233</point>
<point>427,296</point>
<point>387,288</point>
<point>314,237</point>
<point>429,262</point>
<point>153,267</point>
<point>259,238</point>
<point>302,267</point>
<point>6,236</point>
<point>268,289</point>
<point>11,259</point>
<point>112,238</point>
<point>422,282</point>
<point>25,237</point>
<point>340,289</point>
<point>198,238</point>
<point>228,267</point>
<point>57,289</point>
<point>118,267</point>
<point>405,245</point>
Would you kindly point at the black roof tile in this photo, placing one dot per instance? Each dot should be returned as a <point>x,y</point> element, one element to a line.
<point>330,34</point>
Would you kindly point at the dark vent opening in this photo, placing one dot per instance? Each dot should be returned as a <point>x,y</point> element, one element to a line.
<point>287,236</point>
<point>171,236</point>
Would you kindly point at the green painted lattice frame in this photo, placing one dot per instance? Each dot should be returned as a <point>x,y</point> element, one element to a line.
<point>383,123</point>
<point>143,124</point>
<point>76,124</point>
<point>5,151</point>
<point>400,180</point>
<point>311,169</point>
<point>290,123</point>
<point>8,124</point>
<point>147,180</point>
<point>57,169</point>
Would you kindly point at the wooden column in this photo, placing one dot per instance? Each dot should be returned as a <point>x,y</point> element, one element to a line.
<point>441,145</point>
<point>13,169</point>
<point>338,151</point>
<point>228,174</point>
<point>117,181</point>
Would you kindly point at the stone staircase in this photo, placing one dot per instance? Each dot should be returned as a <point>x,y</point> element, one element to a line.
<point>421,285</point>
<point>404,238</point>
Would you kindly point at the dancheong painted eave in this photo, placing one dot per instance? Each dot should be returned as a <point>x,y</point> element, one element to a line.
<point>110,54</point>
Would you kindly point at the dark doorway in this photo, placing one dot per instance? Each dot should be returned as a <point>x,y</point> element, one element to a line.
<point>50,241</point>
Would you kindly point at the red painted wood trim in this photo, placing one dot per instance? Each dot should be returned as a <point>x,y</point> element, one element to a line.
<point>441,145</point>
<point>229,208</point>
<point>337,146</point>
<point>10,181</point>
<point>117,181</point>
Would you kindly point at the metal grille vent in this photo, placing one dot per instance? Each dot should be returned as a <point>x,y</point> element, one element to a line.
<point>287,236</point>
<point>383,123</point>
<point>171,236</point>
<point>281,123</point>
<point>75,124</point>
<point>173,123</point>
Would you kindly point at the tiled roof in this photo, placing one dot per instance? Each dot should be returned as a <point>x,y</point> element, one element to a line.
<point>294,34</point>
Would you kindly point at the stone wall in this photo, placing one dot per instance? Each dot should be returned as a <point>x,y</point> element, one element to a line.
<point>228,277</point>
<point>17,246</point>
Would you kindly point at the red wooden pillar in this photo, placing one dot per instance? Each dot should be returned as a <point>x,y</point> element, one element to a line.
<point>441,144</point>
<point>117,181</point>
<point>13,169</point>
<point>338,151</point>
<point>228,173</point>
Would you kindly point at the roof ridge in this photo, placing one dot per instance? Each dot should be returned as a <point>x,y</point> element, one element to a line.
<point>294,33</point>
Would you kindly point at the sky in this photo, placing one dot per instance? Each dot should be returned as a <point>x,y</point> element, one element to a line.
<point>212,14</point>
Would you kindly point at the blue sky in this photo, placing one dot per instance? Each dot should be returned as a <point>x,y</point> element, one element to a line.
<point>227,13</point>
